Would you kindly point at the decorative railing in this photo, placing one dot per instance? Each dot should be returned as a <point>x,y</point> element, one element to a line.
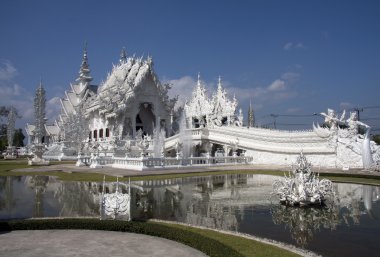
<point>148,162</point>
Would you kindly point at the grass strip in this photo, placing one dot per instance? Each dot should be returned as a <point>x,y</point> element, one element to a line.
<point>6,167</point>
<point>210,242</point>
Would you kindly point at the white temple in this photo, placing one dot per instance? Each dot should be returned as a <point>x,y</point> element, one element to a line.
<point>130,116</point>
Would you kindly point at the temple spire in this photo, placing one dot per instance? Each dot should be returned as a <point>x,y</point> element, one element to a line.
<point>84,71</point>
<point>39,113</point>
<point>251,115</point>
<point>123,55</point>
<point>199,79</point>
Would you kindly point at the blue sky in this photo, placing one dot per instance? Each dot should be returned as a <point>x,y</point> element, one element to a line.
<point>288,57</point>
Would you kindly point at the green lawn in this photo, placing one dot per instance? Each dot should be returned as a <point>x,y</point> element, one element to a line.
<point>6,167</point>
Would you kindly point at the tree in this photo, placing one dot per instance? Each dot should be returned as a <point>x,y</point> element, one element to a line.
<point>7,131</point>
<point>3,137</point>
<point>18,138</point>
<point>376,138</point>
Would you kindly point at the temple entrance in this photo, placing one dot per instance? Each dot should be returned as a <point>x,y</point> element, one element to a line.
<point>145,119</point>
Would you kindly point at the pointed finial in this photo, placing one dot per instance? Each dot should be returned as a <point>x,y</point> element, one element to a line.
<point>150,60</point>
<point>84,71</point>
<point>199,79</point>
<point>85,49</point>
<point>40,86</point>
<point>123,55</point>
<point>220,83</point>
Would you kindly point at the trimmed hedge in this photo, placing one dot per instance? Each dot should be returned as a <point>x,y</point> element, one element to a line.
<point>205,244</point>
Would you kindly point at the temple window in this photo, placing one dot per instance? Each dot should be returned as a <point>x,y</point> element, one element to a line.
<point>95,134</point>
<point>89,135</point>
<point>101,133</point>
<point>107,132</point>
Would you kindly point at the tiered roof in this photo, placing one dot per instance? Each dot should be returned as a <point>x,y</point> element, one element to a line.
<point>221,104</point>
<point>79,92</point>
<point>200,104</point>
<point>123,81</point>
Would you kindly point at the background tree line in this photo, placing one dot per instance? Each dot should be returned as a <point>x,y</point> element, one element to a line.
<point>18,138</point>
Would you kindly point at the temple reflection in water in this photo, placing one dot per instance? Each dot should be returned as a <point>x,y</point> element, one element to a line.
<point>229,202</point>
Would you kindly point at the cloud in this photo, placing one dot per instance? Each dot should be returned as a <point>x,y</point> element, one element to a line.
<point>277,85</point>
<point>293,110</point>
<point>182,87</point>
<point>13,94</point>
<point>7,71</point>
<point>9,90</point>
<point>290,76</point>
<point>277,91</point>
<point>346,105</point>
<point>288,46</point>
<point>291,45</point>
<point>53,108</point>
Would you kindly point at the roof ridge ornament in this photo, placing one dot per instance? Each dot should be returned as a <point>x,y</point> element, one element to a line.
<point>123,55</point>
<point>84,71</point>
<point>150,60</point>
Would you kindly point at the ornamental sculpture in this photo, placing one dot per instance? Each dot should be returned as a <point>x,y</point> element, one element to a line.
<point>115,205</point>
<point>302,186</point>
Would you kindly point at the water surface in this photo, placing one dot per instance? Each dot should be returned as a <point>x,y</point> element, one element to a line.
<point>349,227</point>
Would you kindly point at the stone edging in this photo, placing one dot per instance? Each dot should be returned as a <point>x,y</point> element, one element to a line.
<point>285,246</point>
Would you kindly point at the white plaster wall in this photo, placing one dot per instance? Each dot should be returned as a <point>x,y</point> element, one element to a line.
<point>271,158</point>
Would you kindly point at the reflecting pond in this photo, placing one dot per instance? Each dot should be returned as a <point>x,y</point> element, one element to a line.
<point>349,227</point>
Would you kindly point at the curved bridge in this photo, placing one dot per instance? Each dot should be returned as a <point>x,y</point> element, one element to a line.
<point>256,139</point>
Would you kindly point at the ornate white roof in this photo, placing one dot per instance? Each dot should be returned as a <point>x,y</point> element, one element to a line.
<point>221,104</point>
<point>52,130</point>
<point>122,82</point>
<point>200,105</point>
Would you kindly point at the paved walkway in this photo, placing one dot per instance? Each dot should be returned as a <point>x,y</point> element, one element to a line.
<point>91,243</point>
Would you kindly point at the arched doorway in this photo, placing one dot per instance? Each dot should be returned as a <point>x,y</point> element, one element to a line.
<point>145,119</point>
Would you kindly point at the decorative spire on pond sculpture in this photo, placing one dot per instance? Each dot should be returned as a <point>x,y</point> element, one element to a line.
<point>84,71</point>
<point>199,79</point>
<point>39,113</point>
<point>220,84</point>
<point>123,56</point>
<point>251,116</point>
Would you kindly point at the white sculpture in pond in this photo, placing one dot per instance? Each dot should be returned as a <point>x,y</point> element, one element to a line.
<point>302,186</point>
<point>116,204</point>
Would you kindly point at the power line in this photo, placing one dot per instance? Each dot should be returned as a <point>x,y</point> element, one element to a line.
<point>372,118</point>
<point>293,124</point>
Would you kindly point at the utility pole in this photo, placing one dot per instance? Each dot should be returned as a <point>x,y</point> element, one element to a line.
<point>274,116</point>
<point>358,110</point>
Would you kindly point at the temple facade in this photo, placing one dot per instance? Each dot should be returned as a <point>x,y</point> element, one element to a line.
<point>130,115</point>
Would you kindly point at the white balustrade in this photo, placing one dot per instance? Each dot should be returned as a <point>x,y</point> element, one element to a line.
<point>149,163</point>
